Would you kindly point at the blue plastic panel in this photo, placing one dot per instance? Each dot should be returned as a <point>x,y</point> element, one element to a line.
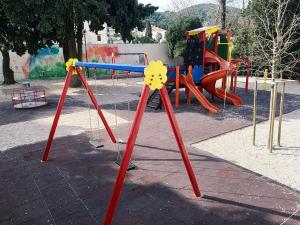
<point>197,73</point>
<point>172,71</point>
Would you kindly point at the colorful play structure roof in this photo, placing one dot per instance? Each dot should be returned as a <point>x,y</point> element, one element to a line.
<point>207,30</point>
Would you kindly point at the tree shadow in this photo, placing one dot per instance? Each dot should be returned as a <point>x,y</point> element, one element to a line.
<point>75,185</point>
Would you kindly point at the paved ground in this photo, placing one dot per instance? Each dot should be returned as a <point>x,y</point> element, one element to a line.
<point>75,185</point>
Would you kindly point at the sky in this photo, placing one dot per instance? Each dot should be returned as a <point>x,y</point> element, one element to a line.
<point>167,4</point>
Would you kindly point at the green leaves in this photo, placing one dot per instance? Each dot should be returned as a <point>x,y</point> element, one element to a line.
<point>176,34</point>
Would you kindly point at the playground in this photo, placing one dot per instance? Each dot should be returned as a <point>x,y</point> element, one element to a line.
<point>190,144</point>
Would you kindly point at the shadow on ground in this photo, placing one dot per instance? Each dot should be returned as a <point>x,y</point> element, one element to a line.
<point>75,185</point>
<point>123,94</point>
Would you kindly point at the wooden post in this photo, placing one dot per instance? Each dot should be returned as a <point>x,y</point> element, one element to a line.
<point>281,114</point>
<point>271,132</point>
<point>254,111</point>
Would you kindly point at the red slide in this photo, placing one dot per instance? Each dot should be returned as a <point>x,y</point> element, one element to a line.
<point>209,81</point>
<point>189,83</point>
<point>209,84</point>
<point>213,57</point>
<point>230,97</point>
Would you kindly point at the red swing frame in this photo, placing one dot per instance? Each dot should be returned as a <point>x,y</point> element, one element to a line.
<point>131,138</point>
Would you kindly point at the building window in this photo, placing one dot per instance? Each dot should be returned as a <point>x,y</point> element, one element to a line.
<point>99,37</point>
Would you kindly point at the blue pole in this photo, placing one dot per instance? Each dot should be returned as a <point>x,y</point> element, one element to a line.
<point>123,67</point>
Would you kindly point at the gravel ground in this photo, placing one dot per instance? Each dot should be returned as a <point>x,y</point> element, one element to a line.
<point>282,165</point>
<point>28,132</point>
<point>77,119</point>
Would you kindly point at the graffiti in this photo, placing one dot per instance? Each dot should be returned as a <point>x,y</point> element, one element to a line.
<point>103,54</point>
<point>49,62</point>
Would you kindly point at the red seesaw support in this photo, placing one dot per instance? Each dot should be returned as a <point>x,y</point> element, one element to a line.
<point>70,73</point>
<point>132,139</point>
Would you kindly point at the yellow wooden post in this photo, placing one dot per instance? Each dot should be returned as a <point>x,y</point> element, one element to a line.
<point>281,114</point>
<point>254,111</point>
<point>271,132</point>
<point>265,79</point>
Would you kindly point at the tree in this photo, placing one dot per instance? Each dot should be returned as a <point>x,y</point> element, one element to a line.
<point>148,32</point>
<point>243,33</point>
<point>142,40</point>
<point>158,37</point>
<point>176,35</point>
<point>277,36</point>
<point>17,36</point>
<point>62,20</point>
<point>276,28</point>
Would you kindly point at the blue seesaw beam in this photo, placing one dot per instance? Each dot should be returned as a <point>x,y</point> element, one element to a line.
<point>110,66</point>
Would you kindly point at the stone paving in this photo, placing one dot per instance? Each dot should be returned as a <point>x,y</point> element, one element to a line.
<point>75,185</point>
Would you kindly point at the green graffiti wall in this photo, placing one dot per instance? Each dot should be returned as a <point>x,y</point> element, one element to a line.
<point>49,62</point>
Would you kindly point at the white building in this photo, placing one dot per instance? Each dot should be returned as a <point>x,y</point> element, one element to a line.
<point>155,31</point>
<point>105,36</point>
<point>108,35</point>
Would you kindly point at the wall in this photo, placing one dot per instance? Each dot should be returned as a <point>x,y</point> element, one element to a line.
<point>49,63</point>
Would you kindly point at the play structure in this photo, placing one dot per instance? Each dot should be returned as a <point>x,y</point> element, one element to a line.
<point>115,75</point>
<point>155,79</point>
<point>29,98</point>
<point>207,60</point>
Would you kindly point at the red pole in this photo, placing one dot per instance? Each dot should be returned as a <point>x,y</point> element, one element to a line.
<point>96,105</point>
<point>127,155</point>
<point>169,109</point>
<point>57,115</point>
<point>187,91</point>
<point>247,76</point>
<point>177,86</point>
<point>235,81</point>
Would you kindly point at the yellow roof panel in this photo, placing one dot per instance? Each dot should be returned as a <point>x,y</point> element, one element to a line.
<point>207,30</point>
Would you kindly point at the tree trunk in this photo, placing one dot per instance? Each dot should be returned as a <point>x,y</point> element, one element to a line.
<point>273,76</point>
<point>223,13</point>
<point>8,73</point>
<point>65,51</point>
<point>79,40</point>
<point>70,51</point>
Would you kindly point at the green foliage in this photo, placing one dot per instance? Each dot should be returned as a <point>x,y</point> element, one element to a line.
<point>19,32</point>
<point>176,35</point>
<point>205,12</point>
<point>125,15</point>
<point>142,40</point>
<point>158,37</point>
<point>62,20</point>
<point>160,19</point>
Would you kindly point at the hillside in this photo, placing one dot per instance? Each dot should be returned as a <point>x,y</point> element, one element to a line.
<point>208,14</point>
